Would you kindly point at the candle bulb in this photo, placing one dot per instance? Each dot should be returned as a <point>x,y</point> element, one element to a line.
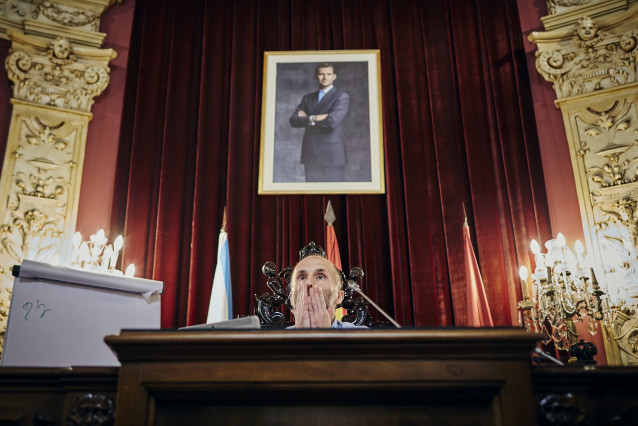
<point>560,239</point>
<point>106,258</point>
<point>536,248</point>
<point>539,258</point>
<point>570,259</point>
<point>561,243</point>
<point>130,271</point>
<point>117,245</point>
<point>75,253</point>
<point>523,274</point>
<point>119,242</point>
<point>100,239</point>
<point>84,255</point>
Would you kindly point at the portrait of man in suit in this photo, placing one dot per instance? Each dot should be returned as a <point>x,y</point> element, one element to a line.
<point>321,123</point>
<point>321,113</point>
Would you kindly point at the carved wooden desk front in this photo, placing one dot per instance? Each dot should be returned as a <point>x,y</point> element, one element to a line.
<point>407,376</point>
<point>57,396</point>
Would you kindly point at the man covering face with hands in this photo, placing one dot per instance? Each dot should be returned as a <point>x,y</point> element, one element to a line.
<point>316,290</point>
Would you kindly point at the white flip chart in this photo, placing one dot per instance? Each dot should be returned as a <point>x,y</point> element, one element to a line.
<point>59,315</point>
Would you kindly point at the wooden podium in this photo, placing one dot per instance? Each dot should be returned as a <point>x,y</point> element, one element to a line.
<point>307,377</point>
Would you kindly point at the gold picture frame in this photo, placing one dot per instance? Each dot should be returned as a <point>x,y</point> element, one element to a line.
<point>353,142</point>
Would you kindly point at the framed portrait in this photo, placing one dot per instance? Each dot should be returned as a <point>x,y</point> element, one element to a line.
<point>322,128</point>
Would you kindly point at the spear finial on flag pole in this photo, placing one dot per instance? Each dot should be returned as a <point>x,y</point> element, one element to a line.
<point>330,214</point>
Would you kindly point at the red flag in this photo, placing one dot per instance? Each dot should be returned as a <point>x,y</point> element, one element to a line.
<point>332,249</point>
<point>478,311</point>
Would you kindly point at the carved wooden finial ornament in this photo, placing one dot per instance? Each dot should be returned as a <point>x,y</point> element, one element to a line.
<point>311,249</point>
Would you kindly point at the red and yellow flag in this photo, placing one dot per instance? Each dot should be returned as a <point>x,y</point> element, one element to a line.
<point>332,249</point>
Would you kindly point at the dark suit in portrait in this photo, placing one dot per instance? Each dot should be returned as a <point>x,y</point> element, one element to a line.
<point>323,151</point>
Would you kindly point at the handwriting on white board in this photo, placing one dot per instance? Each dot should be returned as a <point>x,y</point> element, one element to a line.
<point>37,313</point>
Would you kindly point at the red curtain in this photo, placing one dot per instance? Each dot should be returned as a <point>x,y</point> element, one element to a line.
<point>459,132</point>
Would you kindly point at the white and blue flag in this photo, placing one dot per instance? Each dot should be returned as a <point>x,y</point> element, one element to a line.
<point>221,298</point>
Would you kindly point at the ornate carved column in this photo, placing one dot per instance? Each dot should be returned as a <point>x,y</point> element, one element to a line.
<point>76,20</point>
<point>57,71</point>
<point>589,55</point>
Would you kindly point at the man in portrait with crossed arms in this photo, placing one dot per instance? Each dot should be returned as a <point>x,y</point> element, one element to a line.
<point>321,113</point>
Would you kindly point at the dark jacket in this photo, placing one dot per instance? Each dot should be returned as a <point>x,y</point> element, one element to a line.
<point>323,142</point>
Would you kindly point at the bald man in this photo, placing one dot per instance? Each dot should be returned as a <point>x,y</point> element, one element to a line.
<point>316,290</point>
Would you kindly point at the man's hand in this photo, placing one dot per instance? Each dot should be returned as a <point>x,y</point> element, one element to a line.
<point>310,309</point>
<point>302,320</point>
<point>319,315</point>
<point>302,113</point>
<point>321,117</point>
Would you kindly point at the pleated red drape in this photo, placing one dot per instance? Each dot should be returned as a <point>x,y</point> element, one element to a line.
<point>459,130</point>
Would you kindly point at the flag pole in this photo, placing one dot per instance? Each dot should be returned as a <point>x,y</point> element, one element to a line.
<point>223,229</point>
<point>332,248</point>
<point>464,215</point>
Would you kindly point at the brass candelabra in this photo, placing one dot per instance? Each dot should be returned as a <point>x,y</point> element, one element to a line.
<point>563,290</point>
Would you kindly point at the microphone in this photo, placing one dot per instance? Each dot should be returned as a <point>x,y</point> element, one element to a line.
<point>547,356</point>
<point>353,285</point>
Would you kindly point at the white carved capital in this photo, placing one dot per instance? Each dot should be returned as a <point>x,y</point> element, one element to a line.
<point>590,55</point>
<point>57,73</point>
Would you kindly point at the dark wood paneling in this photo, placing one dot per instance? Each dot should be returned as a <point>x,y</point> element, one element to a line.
<point>426,377</point>
<point>44,396</point>
<point>602,395</point>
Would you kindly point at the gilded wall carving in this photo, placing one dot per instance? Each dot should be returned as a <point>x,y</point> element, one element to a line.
<point>42,177</point>
<point>55,83</point>
<point>77,20</point>
<point>56,78</point>
<point>592,66</point>
<point>66,15</point>
<point>604,142</point>
<point>592,60</point>
<point>560,6</point>
<point>40,184</point>
<point>15,9</point>
<point>625,334</point>
<point>607,141</point>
